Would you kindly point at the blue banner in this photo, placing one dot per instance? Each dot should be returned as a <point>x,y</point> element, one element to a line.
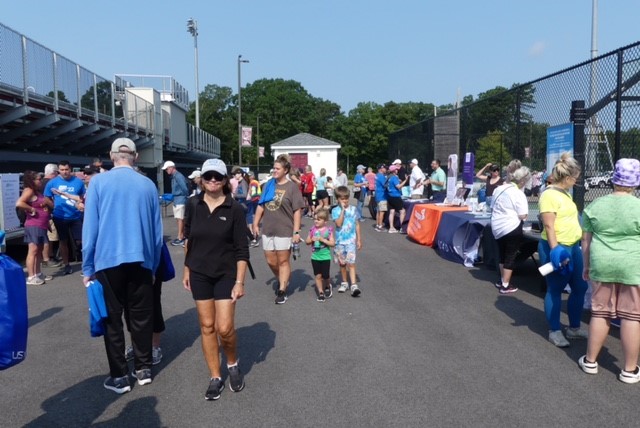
<point>559,140</point>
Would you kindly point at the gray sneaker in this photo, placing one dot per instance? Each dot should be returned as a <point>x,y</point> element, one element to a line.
<point>119,385</point>
<point>216,386</point>
<point>51,264</point>
<point>236,379</point>
<point>557,338</point>
<point>156,354</point>
<point>143,376</point>
<point>355,291</point>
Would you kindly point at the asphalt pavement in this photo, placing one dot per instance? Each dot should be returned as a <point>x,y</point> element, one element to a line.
<point>428,343</point>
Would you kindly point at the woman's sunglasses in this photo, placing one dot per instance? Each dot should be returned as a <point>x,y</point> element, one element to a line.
<point>213,176</point>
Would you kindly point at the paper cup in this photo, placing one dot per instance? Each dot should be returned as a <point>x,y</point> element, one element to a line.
<point>546,269</point>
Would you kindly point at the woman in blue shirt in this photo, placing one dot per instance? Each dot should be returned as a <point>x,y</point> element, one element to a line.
<point>322,196</point>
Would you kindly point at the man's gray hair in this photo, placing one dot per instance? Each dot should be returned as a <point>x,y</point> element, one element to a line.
<point>123,156</point>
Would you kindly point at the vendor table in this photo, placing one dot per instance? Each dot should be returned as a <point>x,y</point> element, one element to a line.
<point>424,221</point>
<point>458,236</point>
<point>408,204</point>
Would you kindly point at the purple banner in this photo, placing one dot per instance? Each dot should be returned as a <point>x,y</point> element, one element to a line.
<point>467,168</point>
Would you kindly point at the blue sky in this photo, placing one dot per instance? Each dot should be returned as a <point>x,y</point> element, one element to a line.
<point>345,51</point>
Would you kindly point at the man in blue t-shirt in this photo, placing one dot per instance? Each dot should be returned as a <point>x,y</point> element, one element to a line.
<point>381,196</point>
<point>360,189</point>
<point>66,191</point>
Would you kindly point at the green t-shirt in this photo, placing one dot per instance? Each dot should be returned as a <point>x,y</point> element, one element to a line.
<point>438,175</point>
<point>321,251</point>
<point>614,221</point>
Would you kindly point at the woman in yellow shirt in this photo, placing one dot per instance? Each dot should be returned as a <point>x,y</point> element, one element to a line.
<point>560,244</point>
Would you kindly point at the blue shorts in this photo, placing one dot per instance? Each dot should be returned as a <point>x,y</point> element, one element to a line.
<point>35,235</point>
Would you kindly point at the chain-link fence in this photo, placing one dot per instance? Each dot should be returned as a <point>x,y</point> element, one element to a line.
<point>513,124</point>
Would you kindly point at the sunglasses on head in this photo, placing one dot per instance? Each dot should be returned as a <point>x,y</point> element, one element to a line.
<point>213,176</point>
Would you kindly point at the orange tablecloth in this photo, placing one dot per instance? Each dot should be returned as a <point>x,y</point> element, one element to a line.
<point>424,222</point>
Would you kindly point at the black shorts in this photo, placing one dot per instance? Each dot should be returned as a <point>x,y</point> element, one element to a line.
<point>321,267</point>
<point>68,229</point>
<point>321,194</point>
<point>395,202</point>
<point>204,287</point>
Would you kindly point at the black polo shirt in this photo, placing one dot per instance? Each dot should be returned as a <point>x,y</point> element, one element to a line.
<point>216,240</point>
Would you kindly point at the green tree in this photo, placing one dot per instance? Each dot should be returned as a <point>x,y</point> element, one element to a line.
<point>491,149</point>
<point>104,93</point>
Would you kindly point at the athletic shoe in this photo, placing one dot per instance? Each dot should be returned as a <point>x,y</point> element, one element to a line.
<point>557,338</point>
<point>156,354</point>
<point>51,264</point>
<point>508,290</point>
<point>177,242</point>
<point>576,333</point>
<point>216,385</point>
<point>143,376</point>
<point>236,379</point>
<point>254,243</point>
<point>328,292</point>
<point>67,270</point>
<point>630,377</point>
<point>281,297</point>
<point>393,230</point>
<point>128,353</point>
<point>589,368</point>
<point>343,287</point>
<point>355,291</point>
<point>498,285</point>
<point>379,228</point>
<point>44,277</point>
<point>34,280</point>
<point>119,385</point>
<point>320,298</point>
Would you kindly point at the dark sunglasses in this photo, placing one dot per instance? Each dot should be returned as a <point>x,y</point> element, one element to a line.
<point>213,176</point>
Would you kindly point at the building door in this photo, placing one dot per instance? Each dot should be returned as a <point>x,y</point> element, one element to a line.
<point>299,161</point>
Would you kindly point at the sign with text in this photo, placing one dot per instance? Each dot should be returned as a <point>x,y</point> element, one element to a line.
<point>559,140</point>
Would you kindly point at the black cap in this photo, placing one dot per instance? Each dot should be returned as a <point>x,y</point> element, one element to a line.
<point>90,170</point>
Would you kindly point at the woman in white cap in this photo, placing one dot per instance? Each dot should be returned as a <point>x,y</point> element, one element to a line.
<point>216,256</point>
<point>611,254</point>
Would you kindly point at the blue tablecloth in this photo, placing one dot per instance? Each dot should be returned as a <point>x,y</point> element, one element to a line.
<point>408,207</point>
<point>458,236</point>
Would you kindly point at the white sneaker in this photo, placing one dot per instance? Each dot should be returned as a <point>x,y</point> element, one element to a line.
<point>34,280</point>
<point>343,287</point>
<point>355,291</point>
<point>557,338</point>
<point>589,368</point>
<point>576,333</point>
<point>629,377</point>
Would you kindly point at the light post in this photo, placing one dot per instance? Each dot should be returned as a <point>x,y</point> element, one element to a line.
<point>192,27</point>
<point>240,61</point>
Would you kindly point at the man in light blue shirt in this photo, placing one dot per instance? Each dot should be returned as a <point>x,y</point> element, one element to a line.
<point>122,244</point>
<point>438,181</point>
<point>180,191</point>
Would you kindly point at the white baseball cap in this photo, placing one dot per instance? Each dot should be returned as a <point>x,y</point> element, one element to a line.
<point>168,164</point>
<point>214,165</point>
<point>414,161</point>
<point>397,162</point>
<point>195,174</point>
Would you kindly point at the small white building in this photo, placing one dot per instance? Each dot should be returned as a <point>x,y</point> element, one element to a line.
<point>306,149</point>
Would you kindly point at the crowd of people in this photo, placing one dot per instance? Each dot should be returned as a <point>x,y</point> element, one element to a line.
<point>220,215</point>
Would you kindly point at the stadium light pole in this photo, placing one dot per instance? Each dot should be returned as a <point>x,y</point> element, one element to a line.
<point>192,27</point>
<point>240,61</point>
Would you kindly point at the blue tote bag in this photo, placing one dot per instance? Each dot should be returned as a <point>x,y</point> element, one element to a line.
<point>14,317</point>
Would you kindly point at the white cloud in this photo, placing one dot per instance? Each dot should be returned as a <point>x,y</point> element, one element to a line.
<point>537,49</point>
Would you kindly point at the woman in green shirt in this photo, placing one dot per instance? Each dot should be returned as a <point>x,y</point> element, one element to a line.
<point>611,253</point>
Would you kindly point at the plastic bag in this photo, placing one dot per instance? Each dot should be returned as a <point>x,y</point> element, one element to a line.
<point>14,317</point>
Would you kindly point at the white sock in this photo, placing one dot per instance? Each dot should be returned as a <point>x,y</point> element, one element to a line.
<point>232,365</point>
<point>505,284</point>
